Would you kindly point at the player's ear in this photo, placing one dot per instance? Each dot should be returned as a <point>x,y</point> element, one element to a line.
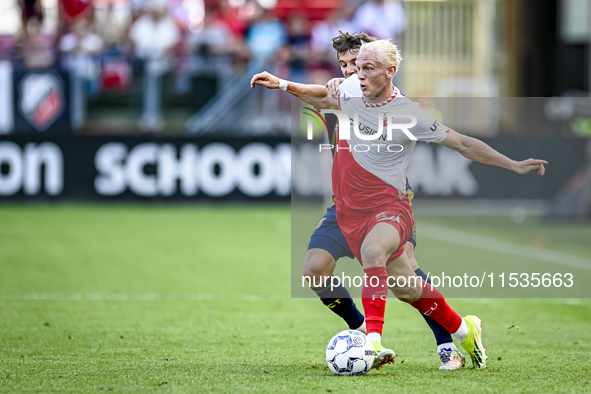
<point>391,71</point>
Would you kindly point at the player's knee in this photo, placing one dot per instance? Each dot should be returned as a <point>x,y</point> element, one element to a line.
<point>312,272</point>
<point>373,255</point>
<point>317,265</point>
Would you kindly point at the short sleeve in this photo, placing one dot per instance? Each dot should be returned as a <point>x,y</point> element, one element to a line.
<point>350,87</point>
<point>428,129</point>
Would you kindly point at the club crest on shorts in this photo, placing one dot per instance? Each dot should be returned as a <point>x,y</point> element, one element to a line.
<point>384,216</point>
<point>41,99</point>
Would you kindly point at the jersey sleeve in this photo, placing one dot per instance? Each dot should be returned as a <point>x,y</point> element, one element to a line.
<point>428,129</point>
<point>350,87</point>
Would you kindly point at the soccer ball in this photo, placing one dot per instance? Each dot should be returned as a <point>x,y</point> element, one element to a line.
<point>350,353</point>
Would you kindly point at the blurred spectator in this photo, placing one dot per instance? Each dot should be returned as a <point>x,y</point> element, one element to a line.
<point>298,40</point>
<point>323,33</point>
<point>74,9</point>
<point>215,38</point>
<point>233,16</point>
<point>154,37</point>
<point>264,37</point>
<point>38,49</point>
<point>389,13</point>
<point>137,8</point>
<point>80,49</point>
<point>155,34</point>
<point>6,46</point>
<point>81,41</point>
<point>111,24</point>
<point>31,8</point>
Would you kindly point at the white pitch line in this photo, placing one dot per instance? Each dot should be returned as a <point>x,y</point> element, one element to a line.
<point>462,238</point>
<point>126,297</point>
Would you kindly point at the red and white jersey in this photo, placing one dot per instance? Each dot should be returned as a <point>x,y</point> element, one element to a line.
<point>367,171</point>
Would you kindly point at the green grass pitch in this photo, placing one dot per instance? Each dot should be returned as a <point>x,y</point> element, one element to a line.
<point>186,299</point>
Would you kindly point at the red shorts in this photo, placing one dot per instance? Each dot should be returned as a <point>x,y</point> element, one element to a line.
<point>356,224</point>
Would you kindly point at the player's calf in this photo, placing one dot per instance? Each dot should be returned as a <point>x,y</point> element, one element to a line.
<point>318,270</point>
<point>403,282</point>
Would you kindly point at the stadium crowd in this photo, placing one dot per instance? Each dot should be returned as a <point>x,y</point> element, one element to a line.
<point>101,39</point>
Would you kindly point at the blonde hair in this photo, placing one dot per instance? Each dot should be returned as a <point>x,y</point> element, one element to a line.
<point>385,51</point>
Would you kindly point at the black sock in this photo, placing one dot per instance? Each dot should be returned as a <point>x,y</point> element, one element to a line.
<point>338,300</point>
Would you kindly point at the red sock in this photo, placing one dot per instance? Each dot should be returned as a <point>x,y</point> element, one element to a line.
<point>433,305</point>
<point>374,298</point>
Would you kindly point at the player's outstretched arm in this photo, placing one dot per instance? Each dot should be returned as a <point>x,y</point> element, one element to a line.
<point>316,95</point>
<point>477,150</point>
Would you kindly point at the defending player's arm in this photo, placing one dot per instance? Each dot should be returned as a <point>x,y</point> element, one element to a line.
<point>316,95</point>
<point>477,150</point>
<point>333,86</point>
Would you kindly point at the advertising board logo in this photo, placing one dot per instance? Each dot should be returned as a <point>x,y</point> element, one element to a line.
<point>41,99</point>
<point>216,170</point>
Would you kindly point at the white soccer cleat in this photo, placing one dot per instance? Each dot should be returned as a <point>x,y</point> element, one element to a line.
<point>451,360</point>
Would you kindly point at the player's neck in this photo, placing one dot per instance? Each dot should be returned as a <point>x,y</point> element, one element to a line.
<point>385,93</point>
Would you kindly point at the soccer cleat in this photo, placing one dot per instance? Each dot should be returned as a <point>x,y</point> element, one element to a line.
<point>383,356</point>
<point>473,342</point>
<point>451,360</point>
<point>362,328</point>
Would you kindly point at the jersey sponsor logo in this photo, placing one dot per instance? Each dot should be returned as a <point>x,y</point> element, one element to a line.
<point>367,130</point>
<point>435,126</point>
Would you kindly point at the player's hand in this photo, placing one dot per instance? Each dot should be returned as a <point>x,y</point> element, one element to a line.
<point>266,80</point>
<point>333,86</point>
<point>525,166</point>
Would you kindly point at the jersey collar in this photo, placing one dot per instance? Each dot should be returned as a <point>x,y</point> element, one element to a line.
<point>383,103</point>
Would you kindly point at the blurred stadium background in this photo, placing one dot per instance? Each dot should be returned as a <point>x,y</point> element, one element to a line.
<point>124,99</point>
